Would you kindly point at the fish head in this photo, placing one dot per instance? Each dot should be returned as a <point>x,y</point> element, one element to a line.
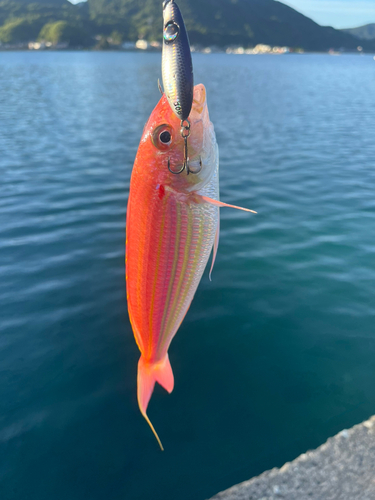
<point>162,146</point>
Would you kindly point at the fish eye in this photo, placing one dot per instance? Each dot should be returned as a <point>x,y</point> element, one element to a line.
<point>162,137</point>
<point>165,137</point>
<point>171,31</point>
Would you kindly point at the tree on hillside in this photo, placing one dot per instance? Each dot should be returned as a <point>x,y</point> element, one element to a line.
<point>63,31</point>
<point>18,30</point>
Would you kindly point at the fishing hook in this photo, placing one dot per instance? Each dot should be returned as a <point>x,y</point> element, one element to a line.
<point>172,171</point>
<point>185,133</point>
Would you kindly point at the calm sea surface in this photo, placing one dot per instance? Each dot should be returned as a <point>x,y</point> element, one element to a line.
<point>274,356</point>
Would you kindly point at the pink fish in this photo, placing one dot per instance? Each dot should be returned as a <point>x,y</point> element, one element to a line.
<point>172,226</point>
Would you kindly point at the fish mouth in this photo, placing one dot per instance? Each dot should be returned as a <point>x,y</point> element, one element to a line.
<point>199,99</point>
<point>199,119</point>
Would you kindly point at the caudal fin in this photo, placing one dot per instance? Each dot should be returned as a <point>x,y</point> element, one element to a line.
<point>148,374</point>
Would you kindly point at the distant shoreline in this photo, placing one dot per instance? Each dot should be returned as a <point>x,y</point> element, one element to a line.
<point>196,52</point>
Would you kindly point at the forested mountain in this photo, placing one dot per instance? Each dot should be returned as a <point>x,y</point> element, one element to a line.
<point>209,22</point>
<point>225,22</point>
<point>366,32</point>
<point>23,21</point>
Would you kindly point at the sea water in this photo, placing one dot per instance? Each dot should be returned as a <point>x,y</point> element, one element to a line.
<point>275,355</point>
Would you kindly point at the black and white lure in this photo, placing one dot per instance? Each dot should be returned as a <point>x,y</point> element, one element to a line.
<point>176,64</point>
<point>177,74</point>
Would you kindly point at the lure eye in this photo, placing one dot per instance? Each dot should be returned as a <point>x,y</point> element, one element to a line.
<point>162,137</point>
<point>171,31</point>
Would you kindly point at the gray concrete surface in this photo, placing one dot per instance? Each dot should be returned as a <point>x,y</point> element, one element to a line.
<point>341,469</point>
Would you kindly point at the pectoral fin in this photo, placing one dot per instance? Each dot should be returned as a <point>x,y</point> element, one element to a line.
<point>217,203</point>
<point>215,247</point>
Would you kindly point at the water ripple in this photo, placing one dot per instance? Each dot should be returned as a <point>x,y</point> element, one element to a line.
<point>281,341</point>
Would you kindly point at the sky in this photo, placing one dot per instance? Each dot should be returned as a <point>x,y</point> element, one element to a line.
<point>336,13</point>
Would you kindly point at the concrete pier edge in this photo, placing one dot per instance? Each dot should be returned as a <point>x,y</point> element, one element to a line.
<point>343,468</point>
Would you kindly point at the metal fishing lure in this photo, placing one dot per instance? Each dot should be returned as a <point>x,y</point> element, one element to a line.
<point>177,74</point>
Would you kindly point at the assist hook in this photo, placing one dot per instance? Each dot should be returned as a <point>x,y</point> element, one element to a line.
<point>185,133</point>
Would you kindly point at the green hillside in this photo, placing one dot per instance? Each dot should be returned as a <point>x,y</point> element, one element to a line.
<point>225,22</point>
<point>22,21</point>
<point>366,32</point>
<point>209,22</point>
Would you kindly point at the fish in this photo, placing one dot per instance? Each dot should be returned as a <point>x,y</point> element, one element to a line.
<point>172,225</point>
<point>177,66</point>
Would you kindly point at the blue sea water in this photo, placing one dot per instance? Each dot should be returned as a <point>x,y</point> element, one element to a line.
<point>274,356</point>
